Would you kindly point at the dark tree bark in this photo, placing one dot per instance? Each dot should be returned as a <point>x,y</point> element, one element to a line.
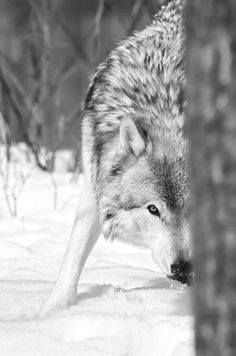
<point>211,91</point>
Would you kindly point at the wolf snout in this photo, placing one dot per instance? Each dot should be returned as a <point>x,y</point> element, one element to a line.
<point>182,271</point>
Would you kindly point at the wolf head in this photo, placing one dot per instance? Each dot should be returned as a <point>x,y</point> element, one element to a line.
<point>145,193</point>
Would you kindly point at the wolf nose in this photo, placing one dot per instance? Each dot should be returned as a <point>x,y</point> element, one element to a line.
<point>182,271</point>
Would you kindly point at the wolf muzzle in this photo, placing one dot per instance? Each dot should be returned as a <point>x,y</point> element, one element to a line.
<point>182,271</point>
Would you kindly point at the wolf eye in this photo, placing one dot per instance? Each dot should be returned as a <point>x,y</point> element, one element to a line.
<point>153,210</point>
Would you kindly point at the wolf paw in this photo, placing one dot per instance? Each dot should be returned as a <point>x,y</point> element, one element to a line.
<point>56,303</point>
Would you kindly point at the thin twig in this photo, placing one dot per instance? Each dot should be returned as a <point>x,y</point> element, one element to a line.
<point>135,16</point>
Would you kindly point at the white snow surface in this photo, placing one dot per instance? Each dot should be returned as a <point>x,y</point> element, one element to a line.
<point>124,307</point>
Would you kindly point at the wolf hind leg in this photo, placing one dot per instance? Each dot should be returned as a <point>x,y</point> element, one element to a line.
<point>85,233</point>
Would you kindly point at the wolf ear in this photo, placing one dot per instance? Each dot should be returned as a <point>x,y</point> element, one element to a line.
<point>132,138</point>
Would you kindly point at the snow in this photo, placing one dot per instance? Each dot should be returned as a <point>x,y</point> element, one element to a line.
<point>125,306</point>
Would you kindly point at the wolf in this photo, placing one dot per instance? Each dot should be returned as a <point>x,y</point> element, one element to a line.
<point>134,155</point>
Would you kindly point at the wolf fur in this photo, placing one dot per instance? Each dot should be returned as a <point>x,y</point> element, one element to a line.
<point>134,152</point>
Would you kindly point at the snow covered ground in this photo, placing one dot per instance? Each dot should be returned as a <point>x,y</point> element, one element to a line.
<point>125,306</point>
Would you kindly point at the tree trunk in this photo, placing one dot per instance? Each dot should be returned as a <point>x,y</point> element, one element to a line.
<point>211,91</point>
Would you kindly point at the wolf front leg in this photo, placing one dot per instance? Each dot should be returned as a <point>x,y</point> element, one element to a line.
<point>84,235</point>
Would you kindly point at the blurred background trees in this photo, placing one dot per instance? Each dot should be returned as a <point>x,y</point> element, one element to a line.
<point>48,50</point>
<point>211,74</point>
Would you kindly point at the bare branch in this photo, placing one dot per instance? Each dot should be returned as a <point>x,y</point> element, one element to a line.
<point>135,15</point>
<point>74,41</point>
<point>97,26</point>
<point>21,120</point>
